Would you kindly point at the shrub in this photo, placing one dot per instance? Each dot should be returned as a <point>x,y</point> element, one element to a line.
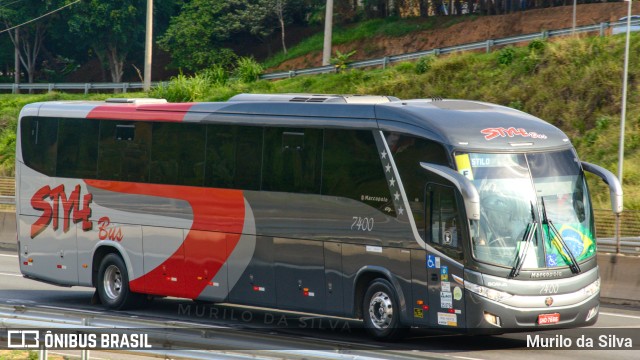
<point>182,88</point>
<point>506,56</point>
<point>424,64</point>
<point>216,75</point>
<point>341,60</point>
<point>537,45</point>
<point>247,69</point>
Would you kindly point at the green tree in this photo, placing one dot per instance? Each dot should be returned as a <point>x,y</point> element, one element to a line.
<point>196,37</point>
<point>31,35</point>
<point>112,29</point>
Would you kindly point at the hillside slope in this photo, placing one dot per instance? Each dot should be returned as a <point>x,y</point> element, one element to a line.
<point>476,28</point>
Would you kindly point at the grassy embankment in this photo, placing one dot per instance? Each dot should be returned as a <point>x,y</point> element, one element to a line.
<point>573,83</point>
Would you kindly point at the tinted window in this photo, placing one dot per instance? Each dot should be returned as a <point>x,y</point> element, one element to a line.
<point>292,160</point>
<point>123,151</point>
<point>178,154</point>
<point>443,221</point>
<point>234,157</point>
<point>408,152</point>
<point>77,148</point>
<point>352,169</point>
<point>39,137</point>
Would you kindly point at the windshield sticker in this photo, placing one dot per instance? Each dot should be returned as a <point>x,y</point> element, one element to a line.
<point>578,240</point>
<point>492,133</point>
<point>447,319</point>
<point>464,166</point>
<point>457,293</point>
<point>445,286</point>
<point>446,300</point>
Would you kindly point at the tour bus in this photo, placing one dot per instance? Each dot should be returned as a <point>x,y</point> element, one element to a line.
<point>445,214</point>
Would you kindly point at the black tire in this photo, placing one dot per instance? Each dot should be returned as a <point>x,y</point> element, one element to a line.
<point>380,311</point>
<point>113,284</point>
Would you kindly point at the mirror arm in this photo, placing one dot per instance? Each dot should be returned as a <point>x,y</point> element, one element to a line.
<point>615,188</point>
<point>465,186</point>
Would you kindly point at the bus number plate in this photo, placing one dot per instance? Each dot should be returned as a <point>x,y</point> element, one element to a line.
<point>546,319</point>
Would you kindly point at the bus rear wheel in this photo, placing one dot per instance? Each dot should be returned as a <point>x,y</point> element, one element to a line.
<point>381,312</point>
<point>113,284</point>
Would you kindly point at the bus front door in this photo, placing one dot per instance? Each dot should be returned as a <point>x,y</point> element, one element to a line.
<point>444,257</point>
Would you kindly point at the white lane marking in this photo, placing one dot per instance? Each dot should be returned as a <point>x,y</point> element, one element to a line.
<point>10,274</point>
<point>620,315</point>
<point>7,255</point>
<point>465,358</point>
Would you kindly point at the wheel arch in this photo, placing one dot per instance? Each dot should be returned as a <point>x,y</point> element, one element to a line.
<point>364,276</point>
<point>103,249</point>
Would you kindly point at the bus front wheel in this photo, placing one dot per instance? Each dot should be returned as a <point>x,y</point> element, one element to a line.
<point>381,312</point>
<point>113,284</point>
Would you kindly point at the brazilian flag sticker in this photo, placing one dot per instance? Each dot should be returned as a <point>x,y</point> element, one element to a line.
<point>579,241</point>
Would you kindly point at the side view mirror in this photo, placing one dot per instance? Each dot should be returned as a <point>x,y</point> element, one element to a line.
<point>464,185</point>
<point>615,188</point>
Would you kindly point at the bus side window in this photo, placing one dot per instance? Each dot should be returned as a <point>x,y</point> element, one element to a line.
<point>123,151</point>
<point>77,148</point>
<point>292,160</point>
<point>352,168</point>
<point>40,143</point>
<point>178,154</point>
<point>408,152</point>
<point>234,157</point>
<point>443,220</point>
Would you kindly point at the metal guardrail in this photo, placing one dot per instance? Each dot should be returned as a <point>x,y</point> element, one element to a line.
<point>170,338</point>
<point>7,200</point>
<point>86,87</point>
<point>628,245</point>
<point>480,45</point>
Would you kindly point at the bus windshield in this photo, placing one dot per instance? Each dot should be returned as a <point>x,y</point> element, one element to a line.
<point>541,192</point>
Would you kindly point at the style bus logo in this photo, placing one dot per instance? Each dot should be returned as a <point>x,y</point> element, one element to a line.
<point>50,200</point>
<point>492,133</point>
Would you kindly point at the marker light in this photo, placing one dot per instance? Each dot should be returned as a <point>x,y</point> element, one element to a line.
<point>593,312</point>
<point>490,294</point>
<point>492,319</point>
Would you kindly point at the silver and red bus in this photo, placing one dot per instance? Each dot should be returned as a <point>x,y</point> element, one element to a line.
<point>445,214</point>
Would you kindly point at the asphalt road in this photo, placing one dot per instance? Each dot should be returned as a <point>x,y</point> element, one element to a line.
<point>287,330</point>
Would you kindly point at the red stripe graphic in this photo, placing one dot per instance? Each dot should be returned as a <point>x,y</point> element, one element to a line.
<point>218,219</point>
<point>160,112</point>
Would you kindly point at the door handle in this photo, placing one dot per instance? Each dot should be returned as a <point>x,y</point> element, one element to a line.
<point>434,277</point>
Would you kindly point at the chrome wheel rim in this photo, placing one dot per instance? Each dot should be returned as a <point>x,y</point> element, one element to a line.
<point>112,282</point>
<point>381,310</point>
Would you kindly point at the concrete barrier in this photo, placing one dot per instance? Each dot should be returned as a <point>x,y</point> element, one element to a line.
<point>8,239</point>
<point>619,278</point>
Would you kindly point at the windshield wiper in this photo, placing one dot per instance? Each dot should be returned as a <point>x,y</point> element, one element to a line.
<point>553,231</point>
<point>528,235</point>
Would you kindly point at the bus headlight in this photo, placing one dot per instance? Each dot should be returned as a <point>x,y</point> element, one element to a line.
<point>489,293</point>
<point>592,289</point>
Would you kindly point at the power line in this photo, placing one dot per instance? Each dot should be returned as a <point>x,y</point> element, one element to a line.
<point>39,17</point>
<point>4,5</point>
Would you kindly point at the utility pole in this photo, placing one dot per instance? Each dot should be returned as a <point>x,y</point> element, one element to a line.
<point>148,46</point>
<point>573,27</point>
<point>623,116</point>
<point>328,27</point>
<point>16,64</point>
